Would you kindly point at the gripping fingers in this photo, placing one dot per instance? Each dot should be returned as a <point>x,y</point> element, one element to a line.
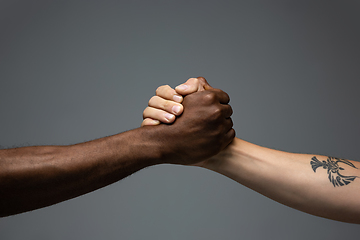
<point>150,122</point>
<point>222,96</point>
<point>166,92</point>
<point>228,124</point>
<point>190,86</point>
<point>204,83</point>
<point>166,105</point>
<point>229,136</point>
<point>193,85</point>
<point>227,111</point>
<point>158,114</point>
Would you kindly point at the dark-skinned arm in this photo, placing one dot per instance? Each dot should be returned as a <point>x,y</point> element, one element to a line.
<point>39,176</point>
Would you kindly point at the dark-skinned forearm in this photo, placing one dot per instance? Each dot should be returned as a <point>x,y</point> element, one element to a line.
<point>35,177</point>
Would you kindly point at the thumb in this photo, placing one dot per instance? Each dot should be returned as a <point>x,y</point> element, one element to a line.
<point>193,85</point>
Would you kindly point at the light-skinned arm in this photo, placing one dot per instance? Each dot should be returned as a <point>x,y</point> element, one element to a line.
<point>39,176</point>
<point>320,185</point>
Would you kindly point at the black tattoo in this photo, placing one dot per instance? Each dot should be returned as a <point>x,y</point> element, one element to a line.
<point>331,164</point>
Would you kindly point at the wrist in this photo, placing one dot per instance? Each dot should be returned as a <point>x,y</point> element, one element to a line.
<point>227,157</point>
<point>149,145</point>
<point>237,161</point>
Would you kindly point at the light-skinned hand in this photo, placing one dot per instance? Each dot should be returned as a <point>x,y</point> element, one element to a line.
<point>166,105</point>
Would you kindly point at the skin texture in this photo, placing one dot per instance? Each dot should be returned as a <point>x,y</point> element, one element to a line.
<point>288,178</point>
<point>206,106</point>
<point>319,185</point>
<point>39,176</point>
<point>166,99</point>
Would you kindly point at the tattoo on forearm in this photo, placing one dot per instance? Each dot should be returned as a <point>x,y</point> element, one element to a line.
<point>333,169</point>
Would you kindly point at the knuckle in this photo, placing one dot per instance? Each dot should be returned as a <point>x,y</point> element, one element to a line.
<point>170,93</point>
<point>201,80</point>
<point>158,90</point>
<point>166,105</point>
<point>216,113</point>
<point>192,80</point>
<point>152,100</point>
<point>223,94</point>
<point>231,124</point>
<point>167,88</point>
<point>195,81</point>
<point>209,97</point>
<point>165,91</point>
<point>230,111</point>
<point>217,90</point>
<point>226,96</point>
<point>233,133</point>
<point>161,89</point>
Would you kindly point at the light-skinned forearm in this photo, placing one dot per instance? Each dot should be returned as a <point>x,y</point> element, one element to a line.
<point>289,178</point>
<point>35,177</point>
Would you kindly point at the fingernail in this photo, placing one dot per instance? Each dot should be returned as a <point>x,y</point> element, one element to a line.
<point>177,98</point>
<point>169,116</point>
<point>182,87</point>
<point>176,109</point>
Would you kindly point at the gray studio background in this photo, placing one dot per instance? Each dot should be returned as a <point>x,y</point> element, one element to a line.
<point>73,71</point>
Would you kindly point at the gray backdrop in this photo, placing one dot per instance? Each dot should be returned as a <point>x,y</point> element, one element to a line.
<point>78,70</point>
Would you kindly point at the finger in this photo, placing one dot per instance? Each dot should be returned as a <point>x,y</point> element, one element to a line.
<point>166,105</point>
<point>168,93</point>
<point>149,122</point>
<point>227,110</point>
<point>193,85</point>
<point>229,137</point>
<point>231,134</point>
<point>158,114</point>
<point>204,83</point>
<point>190,86</point>
<point>228,125</point>
<point>221,95</point>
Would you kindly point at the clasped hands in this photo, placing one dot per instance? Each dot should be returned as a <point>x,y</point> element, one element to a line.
<point>198,117</point>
